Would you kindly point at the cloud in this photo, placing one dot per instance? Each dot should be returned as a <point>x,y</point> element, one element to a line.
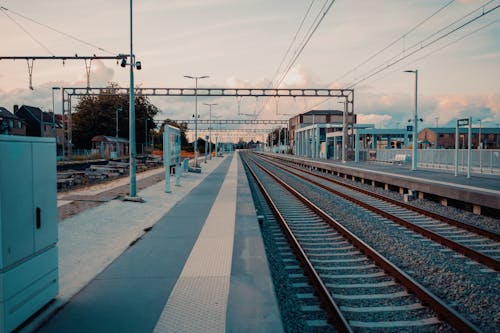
<point>377,119</point>
<point>100,75</point>
<point>393,110</point>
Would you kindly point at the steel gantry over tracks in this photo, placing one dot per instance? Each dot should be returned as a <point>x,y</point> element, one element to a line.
<point>229,121</point>
<point>69,92</point>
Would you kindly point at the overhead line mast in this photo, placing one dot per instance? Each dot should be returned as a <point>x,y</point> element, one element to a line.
<point>31,59</point>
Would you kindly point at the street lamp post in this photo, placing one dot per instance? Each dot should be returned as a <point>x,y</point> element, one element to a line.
<point>210,128</point>
<point>480,147</point>
<point>54,113</point>
<point>132,142</point>
<point>344,132</point>
<point>415,122</point>
<point>118,109</point>
<point>196,78</point>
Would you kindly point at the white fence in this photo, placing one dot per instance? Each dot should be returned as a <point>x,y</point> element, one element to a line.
<point>482,160</point>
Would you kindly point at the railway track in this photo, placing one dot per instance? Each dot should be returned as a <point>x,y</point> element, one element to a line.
<point>478,244</point>
<point>358,287</point>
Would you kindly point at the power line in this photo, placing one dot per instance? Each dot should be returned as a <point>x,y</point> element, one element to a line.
<point>396,40</point>
<point>306,40</point>
<point>53,29</point>
<point>421,46</point>
<point>293,41</point>
<point>4,10</point>
<point>459,39</point>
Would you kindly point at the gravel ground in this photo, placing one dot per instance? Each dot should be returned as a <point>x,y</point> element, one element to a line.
<point>470,288</point>
<point>481,221</point>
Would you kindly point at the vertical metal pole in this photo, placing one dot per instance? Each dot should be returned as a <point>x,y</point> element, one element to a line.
<point>313,141</point>
<point>344,133</point>
<point>415,125</point>
<point>456,148</point>
<point>53,116</point>
<point>480,146</point>
<point>41,123</point>
<point>286,139</point>
<point>210,132</point>
<point>279,140</point>
<point>70,131</point>
<point>469,149</point>
<point>356,147</point>
<point>167,157</point>
<point>178,169</point>
<point>132,147</point>
<point>63,140</point>
<point>196,122</point>
<point>116,125</point>
<point>206,148</point>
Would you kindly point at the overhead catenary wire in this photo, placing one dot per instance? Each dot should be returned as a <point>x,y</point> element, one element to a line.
<point>4,10</point>
<point>406,34</point>
<point>301,46</point>
<point>306,39</point>
<point>292,42</point>
<point>433,51</point>
<point>421,47</point>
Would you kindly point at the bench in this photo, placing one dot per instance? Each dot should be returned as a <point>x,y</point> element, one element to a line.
<point>401,158</point>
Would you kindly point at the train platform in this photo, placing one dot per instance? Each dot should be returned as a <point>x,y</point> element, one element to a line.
<point>191,260</point>
<point>480,191</point>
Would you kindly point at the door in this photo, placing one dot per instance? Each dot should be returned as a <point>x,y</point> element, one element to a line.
<point>45,194</point>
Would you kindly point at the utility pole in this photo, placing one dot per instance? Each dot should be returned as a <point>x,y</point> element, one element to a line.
<point>196,78</point>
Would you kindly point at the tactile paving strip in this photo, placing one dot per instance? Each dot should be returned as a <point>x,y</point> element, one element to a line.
<point>198,301</point>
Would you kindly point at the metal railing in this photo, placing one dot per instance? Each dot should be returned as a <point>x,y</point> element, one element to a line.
<point>485,161</point>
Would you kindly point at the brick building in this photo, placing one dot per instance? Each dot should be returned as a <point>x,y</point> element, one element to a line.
<point>444,137</point>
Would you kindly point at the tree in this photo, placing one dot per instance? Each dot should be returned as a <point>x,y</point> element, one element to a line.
<point>158,135</point>
<point>96,115</point>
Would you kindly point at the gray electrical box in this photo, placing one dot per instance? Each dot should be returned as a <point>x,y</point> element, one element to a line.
<point>28,227</point>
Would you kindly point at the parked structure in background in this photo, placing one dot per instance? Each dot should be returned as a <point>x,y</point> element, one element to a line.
<point>109,146</point>
<point>309,131</point>
<point>316,117</point>
<point>444,137</point>
<point>10,124</point>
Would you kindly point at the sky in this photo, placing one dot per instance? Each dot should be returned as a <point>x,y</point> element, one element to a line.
<point>241,44</point>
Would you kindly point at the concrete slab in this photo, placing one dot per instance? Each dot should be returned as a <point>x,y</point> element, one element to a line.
<point>252,305</point>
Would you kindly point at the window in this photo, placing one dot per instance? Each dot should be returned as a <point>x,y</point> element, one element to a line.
<point>11,123</point>
<point>19,124</point>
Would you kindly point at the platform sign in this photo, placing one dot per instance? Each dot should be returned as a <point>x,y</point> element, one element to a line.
<point>171,153</point>
<point>464,122</point>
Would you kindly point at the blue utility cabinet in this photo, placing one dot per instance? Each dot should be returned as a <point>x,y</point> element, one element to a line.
<point>28,227</point>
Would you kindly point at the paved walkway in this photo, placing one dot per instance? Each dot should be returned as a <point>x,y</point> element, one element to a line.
<point>155,239</point>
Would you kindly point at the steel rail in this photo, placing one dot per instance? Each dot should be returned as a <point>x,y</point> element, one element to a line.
<point>472,228</point>
<point>335,316</point>
<point>451,316</point>
<point>466,251</point>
